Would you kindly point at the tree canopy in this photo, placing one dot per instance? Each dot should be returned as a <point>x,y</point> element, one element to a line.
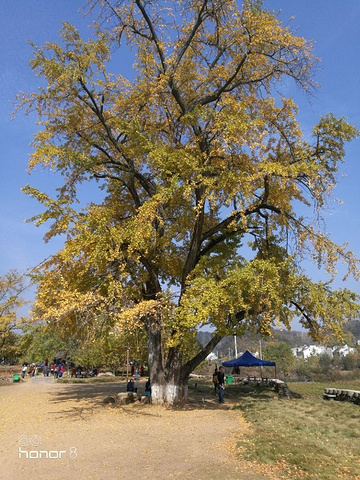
<point>209,184</point>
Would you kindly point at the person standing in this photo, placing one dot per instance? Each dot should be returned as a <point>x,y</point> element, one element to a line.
<point>46,368</point>
<point>221,384</point>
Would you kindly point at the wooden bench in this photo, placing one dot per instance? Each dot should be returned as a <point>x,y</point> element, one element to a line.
<point>342,395</point>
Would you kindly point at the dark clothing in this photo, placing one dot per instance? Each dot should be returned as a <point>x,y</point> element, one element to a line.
<point>130,387</point>
<point>221,386</point>
<point>221,378</point>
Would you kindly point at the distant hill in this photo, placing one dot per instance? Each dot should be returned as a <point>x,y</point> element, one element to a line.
<point>354,328</point>
<point>226,347</point>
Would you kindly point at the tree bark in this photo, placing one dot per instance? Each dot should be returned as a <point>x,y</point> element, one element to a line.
<point>156,361</point>
<point>169,383</point>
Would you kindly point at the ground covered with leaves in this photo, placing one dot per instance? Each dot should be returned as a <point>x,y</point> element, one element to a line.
<point>256,435</point>
<point>106,442</point>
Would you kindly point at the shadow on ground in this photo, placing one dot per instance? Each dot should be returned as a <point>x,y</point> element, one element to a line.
<point>201,395</point>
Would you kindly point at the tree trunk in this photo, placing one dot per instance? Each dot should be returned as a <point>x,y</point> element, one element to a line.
<point>176,392</point>
<point>156,362</point>
<point>176,384</point>
<point>169,383</point>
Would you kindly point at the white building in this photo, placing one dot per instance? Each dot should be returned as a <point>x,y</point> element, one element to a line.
<point>344,350</point>
<point>212,357</point>
<point>307,351</point>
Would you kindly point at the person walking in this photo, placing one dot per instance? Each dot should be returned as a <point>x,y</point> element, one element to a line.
<point>221,384</point>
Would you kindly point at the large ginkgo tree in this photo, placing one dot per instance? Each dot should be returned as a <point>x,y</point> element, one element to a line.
<point>209,191</point>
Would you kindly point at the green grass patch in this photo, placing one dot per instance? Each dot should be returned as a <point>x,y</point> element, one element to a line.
<point>316,389</point>
<point>317,439</point>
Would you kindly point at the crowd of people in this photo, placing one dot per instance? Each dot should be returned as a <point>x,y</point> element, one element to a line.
<point>56,369</point>
<point>59,368</point>
<point>137,371</point>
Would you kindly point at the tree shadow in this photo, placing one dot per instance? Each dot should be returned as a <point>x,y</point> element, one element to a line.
<point>90,398</point>
<point>201,395</point>
<point>91,392</point>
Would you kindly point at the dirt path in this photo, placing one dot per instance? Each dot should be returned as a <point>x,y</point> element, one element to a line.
<point>85,439</point>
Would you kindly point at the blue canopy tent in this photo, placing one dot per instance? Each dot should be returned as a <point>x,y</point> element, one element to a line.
<point>248,360</point>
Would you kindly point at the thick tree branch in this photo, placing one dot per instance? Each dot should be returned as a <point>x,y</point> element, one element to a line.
<point>226,87</point>
<point>199,20</point>
<point>189,366</point>
<point>303,313</point>
<point>196,236</point>
<point>153,275</point>
<point>153,33</point>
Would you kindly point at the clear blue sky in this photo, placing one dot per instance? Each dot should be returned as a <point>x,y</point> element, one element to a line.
<point>331,24</point>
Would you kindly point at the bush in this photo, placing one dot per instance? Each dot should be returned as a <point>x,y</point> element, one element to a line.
<point>324,363</point>
<point>280,352</point>
<point>350,362</point>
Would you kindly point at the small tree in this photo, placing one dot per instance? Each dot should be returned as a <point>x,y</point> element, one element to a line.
<point>197,156</point>
<point>280,352</point>
<point>324,363</point>
<point>351,361</point>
